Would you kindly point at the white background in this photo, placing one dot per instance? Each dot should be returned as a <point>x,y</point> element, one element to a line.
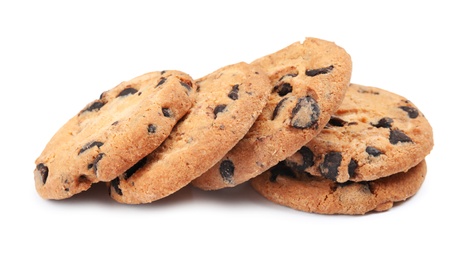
<point>56,57</point>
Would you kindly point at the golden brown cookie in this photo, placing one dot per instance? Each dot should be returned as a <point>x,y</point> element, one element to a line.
<point>228,101</point>
<point>373,134</point>
<point>319,195</point>
<point>112,133</point>
<point>309,81</point>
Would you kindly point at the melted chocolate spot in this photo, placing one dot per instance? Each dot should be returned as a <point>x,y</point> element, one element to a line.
<point>277,108</point>
<point>306,113</point>
<point>152,129</point>
<point>126,92</point>
<point>95,106</point>
<point>330,166</point>
<point>384,123</point>
<point>411,111</point>
<point>115,184</point>
<point>315,72</point>
<point>234,94</point>
<point>167,112</point>
<point>135,168</point>
<point>161,81</point>
<point>89,146</point>
<point>373,151</point>
<point>336,121</point>
<point>397,136</point>
<point>352,168</point>
<point>43,170</point>
<point>219,109</point>
<point>283,88</point>
<point>226,170</point>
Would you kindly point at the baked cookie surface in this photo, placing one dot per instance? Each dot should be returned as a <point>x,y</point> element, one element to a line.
<point>373,134</point>
<point>319,195</point>
<point>227,103</point>
<point>308,81</point>
<point>112,133</point>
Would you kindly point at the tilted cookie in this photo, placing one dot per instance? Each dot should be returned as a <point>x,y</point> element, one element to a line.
<point>309,81</point>
<point>112,133</point>
<point>373,134</point>
<point>309,193</point>
<point>227,103</point>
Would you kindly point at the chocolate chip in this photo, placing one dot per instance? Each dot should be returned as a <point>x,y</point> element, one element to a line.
<point>397,136</point>
<point>135,168</point>
<point>411,111</point>
<point>234,93</point>
<point>96,161</point>
<point>187,85</point>
<point>95,106</point>
<point>280,169</point>
<point>226,170</point>
<point>373,151</point>
<point>292,75</point>
<point>384,123</point>
<point>330,166</point>
<point>127,91</point>
<point>115,184</point>
<point>277,108</point>
<point>152,129</point>
<point>336,121</point>
<point>43,171</point>
<point>161,81</point>
<point>352,168</point>
<point>89,146</point>
<point>219,109</point>
<point>307,160</point>
<point>283,88</point>
<point>306,113</point>
<point>315,72</point>
<point>167,112</point>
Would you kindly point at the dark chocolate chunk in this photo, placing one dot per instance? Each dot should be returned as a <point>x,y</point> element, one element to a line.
<point>397,136</point>
<point>167,112</point>
<point>330,166</point>
<point>307,160</point>
<point>336,121</point>
<point>95,106</point>
<point>161,81</point>
<point>89,146</point>
<point>226,170</point>
<point>234,93</point>
<point>43,170</point>
<point>219,109</point>
<point>152,128</point>
<point>373,151</point>
<point>306,113</point>
<point>352,168</point>
<point>127,91</point>
<point>411,111</point>
<point>277,108</point>
<point>96,161</point>
<point>186,85</point>
<point>315,72</point>
<point>115,184</point>
<point>283,88</point>
<point>135,168</point>
<point>384,123</point>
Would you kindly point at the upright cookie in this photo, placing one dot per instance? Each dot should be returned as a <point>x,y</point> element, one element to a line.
<point>228,101</point>
<point>112,133</point>
<point>309,81</point>
<point>319,195</point>
<point>373,134</point>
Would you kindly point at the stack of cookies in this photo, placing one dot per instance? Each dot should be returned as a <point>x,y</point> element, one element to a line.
<point>290,123</point>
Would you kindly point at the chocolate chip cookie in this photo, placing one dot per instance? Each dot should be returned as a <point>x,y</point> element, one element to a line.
<point>373,134</point>
<point>227,103</point>
<point>309,193</point>
<point>112,133</point>
<point>309,80</point>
